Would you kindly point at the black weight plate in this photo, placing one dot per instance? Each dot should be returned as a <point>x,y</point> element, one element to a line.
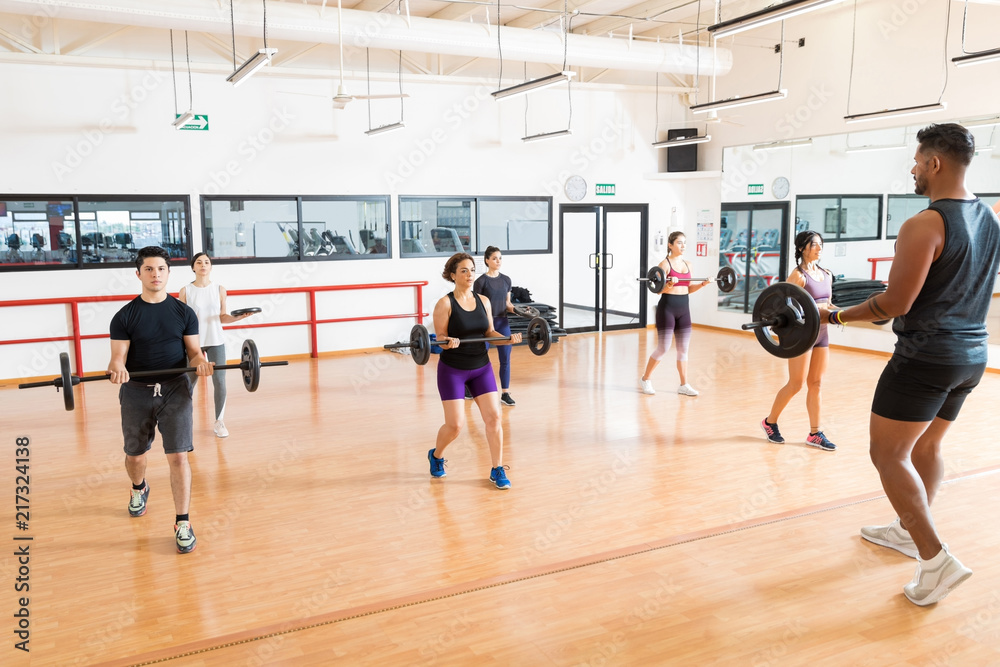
<point>67,381</point>
<point>656,280</point>
<point>798,316</point>
<point>527,311</point>
<point>250,365</point>
<point>420,344</point>
<point>539,336</point>
<point>244,311</point>
<point>726,279</point>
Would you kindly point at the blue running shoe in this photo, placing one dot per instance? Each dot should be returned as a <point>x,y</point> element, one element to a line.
<point>499,477</point>
<point>437,465</point>
<point>817,439</point>
<point>772,432</point>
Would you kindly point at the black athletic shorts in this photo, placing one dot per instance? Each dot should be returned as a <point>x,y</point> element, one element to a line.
<point>166,405</point>
<point>916,391</point>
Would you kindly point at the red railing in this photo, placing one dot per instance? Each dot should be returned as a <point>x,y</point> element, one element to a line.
<point>312,322</point>
<point>875,261</point>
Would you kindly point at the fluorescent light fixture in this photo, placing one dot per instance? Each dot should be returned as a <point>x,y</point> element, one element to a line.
<point>981,122</point>
<point>977,58</point>
<point>985,149</point>
<point>183,119</point>
<point>546,135</point>
<point>534,84</point>
<point>779,12</point>
<point>873,147</point>
<point>739,101</point>
<point>247,69</point>
<point>385,128</point>
<point>778,145</point>
<point>683,141</point>
<point>893,113</point>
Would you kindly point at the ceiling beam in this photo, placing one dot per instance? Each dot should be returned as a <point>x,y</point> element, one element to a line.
<point>87,46</point>
<point>19,43</point>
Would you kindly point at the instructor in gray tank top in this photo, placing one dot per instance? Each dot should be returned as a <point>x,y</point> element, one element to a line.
<point>939,291</point>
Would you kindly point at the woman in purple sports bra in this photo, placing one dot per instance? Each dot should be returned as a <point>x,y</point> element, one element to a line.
<point>673,316</point>
<point>808,368</point>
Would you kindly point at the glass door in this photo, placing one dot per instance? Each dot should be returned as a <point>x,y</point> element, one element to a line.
<point>753,241</point>
<point>624,303</point>
<point>579,261</point>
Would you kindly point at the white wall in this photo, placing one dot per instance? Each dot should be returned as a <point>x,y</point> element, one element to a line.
<point>99,131</point>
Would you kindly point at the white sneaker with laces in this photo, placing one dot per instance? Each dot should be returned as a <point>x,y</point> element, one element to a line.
<point>220,429</point>
<point>935,578</point>
<point>646,386</point>
<point>687,390</point>
<point>893,536</point>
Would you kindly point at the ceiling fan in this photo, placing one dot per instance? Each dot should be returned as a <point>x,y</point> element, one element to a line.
<point>341,99</point>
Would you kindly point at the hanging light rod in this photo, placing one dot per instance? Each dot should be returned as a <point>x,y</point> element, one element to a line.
<point>385,128</point>
<point>683,141</point>
<point>778,145</point>
<point>254,63</point>
<point>739,101</point>
<point>779,12</point>
<point>980,122</point>
<point>893,113</point>
<point>977,58</point>
<point>546,135</point>
<point>534,84</point>
<point>873,147</point>
<point>183,119</point>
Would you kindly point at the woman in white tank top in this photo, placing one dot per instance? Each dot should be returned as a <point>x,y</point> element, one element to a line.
<point>208,301</point>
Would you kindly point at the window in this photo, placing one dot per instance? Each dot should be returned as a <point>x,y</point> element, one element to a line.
<point>444,226</point>
<point>990,199</point>
<point>432,226</point>
<point>85,231</point>
<point>900,209</point>
<point>840,217</point>
<point>515,224</point>
<point>296,227</point>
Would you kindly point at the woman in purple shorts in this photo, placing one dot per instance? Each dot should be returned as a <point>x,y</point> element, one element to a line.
<point>464,314</point>
<point>808,368</point>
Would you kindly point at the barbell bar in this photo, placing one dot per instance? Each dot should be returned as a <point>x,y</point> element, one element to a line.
<point>656,279</point>
<point>538,337</point>
<point>250,365</point>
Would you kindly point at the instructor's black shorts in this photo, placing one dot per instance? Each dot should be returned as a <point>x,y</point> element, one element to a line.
<point>916,391</point>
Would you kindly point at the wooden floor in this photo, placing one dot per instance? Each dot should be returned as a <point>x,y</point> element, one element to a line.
<point>639,530</point>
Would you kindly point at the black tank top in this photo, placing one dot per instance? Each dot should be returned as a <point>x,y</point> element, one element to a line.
<point>465,324</point>
<point>947,322</point>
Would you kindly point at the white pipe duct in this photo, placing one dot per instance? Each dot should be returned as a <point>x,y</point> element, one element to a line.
<point>304,23</point>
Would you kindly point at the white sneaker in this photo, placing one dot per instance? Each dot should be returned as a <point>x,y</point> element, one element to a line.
<point>935,578</point>
<point>220,429</point>
<point>893,536</point>
<point>646,386</point>
<point>687,390</point>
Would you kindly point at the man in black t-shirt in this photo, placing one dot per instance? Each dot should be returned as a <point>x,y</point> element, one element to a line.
<point>156,331</point>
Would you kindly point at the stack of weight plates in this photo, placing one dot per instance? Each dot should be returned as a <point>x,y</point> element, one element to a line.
<point>851,292</point>
<point>519,324</point>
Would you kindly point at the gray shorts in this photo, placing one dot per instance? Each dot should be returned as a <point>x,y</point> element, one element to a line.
<point>166,405</point>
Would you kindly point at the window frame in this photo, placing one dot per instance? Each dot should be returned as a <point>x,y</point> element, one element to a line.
<point>301,256</point>
<point>474,248</point>
<point>837,238</point>
<point>891,196</point>
<point>76,200</point>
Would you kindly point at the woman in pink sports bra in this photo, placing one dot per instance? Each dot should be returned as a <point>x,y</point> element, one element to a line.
<point>808,368</point>
<point>673,315</point>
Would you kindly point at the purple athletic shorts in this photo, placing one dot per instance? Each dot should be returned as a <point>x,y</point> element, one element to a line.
<point>453,381</point>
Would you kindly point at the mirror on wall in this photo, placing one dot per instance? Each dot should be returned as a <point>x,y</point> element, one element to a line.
<point>856,189</point>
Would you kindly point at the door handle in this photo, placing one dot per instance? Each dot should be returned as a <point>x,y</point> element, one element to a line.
<point>609,261</point>
<point>593,260</point>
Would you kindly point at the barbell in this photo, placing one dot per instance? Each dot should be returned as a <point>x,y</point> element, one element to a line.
<point>538,336</point>
<point>250,365</point>
<point>656,279</point>
<point>786,320</point>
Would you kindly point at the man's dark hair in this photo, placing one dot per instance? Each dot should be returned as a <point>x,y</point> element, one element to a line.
<point>151,251</point>
<point>950,140</point>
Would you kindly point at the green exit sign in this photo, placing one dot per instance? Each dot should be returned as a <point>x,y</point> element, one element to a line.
<point>755,188</point>
<point>199,122</point>
<point>605,189</point>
